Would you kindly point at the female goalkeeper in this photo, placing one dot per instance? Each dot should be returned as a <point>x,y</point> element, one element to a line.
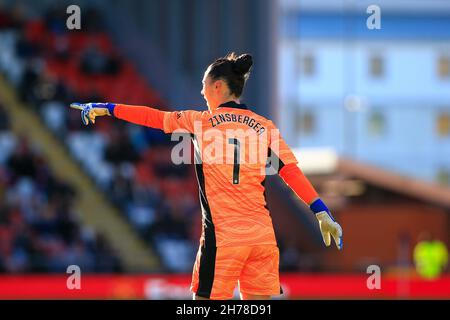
<point>238,244</point>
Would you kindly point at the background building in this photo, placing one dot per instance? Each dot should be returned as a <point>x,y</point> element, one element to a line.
<point>378,96</point>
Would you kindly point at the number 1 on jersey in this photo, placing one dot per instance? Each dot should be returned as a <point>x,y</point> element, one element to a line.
<point>237,154</point>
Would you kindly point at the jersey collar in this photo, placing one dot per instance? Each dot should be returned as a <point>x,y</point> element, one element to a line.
<point>232,104</point>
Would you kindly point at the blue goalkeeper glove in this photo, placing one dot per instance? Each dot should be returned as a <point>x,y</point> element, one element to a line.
<point>91,110</point>
<point>328,226</point>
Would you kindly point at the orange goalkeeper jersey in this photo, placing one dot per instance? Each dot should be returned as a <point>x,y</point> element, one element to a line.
<point>232,147</point>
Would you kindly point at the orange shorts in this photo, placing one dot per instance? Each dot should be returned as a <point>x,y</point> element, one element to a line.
<point>218,269</point>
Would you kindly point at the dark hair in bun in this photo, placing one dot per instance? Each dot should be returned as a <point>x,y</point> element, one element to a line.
<point>243,63</point>
<point>233,69</point>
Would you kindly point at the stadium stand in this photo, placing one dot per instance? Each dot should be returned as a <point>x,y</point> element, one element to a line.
<point>51,67</point>
<point>39,230</point>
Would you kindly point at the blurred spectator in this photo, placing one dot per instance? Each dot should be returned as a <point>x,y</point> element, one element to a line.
<point>15,18</point>
<point>26,49</point>
<point>106,259</point>
<point>61,48</point>
<point>48,88</point>
<point>93,21</point>
<point>4,119</point>
<point>55,19</point>
<point>39,231</point>
<point>55,116</point>
<point>169,224</point>
<point>22,161</point>
<point>430,256</point>
<point>120,148</point>
<point>95,62</point>
<point>29,80</point>
<point>5,20</point>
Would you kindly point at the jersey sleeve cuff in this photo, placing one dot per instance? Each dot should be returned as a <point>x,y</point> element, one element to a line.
<point>319,206</point>
<point>111,107</point>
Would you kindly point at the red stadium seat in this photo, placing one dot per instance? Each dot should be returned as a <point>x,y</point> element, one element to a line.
<point>34,30</point>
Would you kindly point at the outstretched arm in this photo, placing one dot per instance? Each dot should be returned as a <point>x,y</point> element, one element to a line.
<point>141,115</point>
